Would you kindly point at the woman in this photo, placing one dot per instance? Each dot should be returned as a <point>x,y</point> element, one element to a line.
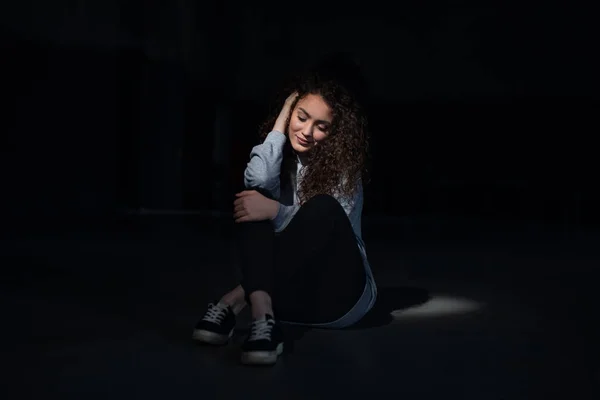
<point>303,258</point>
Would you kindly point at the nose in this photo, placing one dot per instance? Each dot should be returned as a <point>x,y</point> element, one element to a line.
<point>307,132</point>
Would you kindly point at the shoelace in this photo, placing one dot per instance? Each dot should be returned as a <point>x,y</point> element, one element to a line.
<point>215,314</point>
<point>261,330</point>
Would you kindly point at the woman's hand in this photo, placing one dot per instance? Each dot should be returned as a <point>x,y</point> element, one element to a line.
<point>250,205</point>
<point>284,113</point>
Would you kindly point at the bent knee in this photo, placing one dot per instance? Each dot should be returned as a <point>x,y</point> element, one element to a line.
<point>324,203</point>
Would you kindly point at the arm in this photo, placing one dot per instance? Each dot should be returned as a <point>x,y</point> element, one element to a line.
<point>265,159</point>
<point>264,166</point>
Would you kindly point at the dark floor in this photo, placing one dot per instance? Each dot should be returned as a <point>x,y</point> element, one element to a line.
<point>483,311</point>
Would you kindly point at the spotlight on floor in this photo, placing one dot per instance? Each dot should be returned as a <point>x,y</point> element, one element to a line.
<point>438,306</point>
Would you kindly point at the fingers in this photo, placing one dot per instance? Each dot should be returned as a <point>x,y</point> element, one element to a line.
<point>245,193</point>
<point>239,209</point>
<point>242,215</point>
<point>291,98</point>
<point>239,214</point>
<point>239,202</point>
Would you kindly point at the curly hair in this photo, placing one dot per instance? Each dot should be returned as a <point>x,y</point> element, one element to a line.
<point>336,166</point>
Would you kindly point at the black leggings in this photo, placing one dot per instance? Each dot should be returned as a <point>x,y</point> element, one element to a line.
<point>313,269</point>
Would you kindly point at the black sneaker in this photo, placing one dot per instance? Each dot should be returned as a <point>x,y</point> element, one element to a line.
<point>264,344</point>
<point>217,325</point>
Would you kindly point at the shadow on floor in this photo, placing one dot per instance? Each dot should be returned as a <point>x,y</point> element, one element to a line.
<point>389,299</point>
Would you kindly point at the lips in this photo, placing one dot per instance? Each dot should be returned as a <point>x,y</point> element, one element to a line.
<point>302,141</point>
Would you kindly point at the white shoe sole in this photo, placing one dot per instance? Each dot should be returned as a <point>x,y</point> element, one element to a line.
<point>208,337</point>
<point>262,357</point>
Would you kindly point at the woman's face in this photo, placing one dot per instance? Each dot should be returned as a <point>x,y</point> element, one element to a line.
<point>310,123</point>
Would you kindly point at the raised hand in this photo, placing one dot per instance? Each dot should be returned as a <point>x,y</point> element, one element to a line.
<point>284,113</point>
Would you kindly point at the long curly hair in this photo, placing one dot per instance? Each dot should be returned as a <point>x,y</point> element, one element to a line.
<point>339,163</point>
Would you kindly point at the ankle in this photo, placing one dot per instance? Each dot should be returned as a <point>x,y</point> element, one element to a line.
<point>235,299</point>
<point>238,307</point>
<point>261,304</point>
<point>260,313</point>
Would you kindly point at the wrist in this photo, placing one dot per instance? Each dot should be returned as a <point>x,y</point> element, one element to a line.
<point>274,209</point>
<point>279,125</point>
<point>280,130</point>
